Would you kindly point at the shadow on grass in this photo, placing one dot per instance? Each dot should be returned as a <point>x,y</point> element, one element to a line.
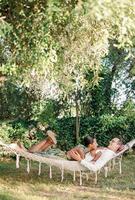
<point>31,186</point>
<point>10,174</point>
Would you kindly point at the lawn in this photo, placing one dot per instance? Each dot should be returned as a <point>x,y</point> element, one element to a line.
<point>16,184</point>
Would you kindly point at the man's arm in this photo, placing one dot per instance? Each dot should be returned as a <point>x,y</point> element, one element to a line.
<point>89,165</point>
<point>75,151</point>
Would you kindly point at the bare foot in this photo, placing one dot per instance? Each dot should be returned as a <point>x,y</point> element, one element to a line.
<point>17,147</point>
<point>21,146</point>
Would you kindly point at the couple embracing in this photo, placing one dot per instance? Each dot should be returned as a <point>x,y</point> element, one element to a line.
<point>92,156</point>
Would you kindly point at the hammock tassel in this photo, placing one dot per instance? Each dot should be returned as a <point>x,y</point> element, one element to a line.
<point>17,160</point>
<point>106,172</point>
<point>120,167</point>
<point>50,174</point>
<point>62,173</point>
<point>80,178</point>
<point>109,166</point>
<point>28,166</point>
<point>39,169</point>
<point>74,177</point>
<point>96,177</point>
<point>87,177</point>
<point>113,161</point>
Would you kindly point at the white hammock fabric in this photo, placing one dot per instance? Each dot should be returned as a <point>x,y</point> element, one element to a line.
<point>63,164</point>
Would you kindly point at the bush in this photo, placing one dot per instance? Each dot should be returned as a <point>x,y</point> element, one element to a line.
<point>5,129</point>
<point>115,126</point>
<point>103,128</point>
<point>65,130</point>
<point>16,130</point>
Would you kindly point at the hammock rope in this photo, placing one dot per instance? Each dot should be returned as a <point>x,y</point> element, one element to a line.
<point>64,164</point>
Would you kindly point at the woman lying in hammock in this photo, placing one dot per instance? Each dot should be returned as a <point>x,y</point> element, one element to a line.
<point>90,144</point>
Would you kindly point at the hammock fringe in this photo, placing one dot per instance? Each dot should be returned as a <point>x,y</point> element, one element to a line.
<point>64,164</point>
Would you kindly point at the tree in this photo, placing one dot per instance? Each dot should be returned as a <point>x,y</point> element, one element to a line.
<point>62,41</point>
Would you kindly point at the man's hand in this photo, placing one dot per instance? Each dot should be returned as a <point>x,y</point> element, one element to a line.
<point>121,148</point>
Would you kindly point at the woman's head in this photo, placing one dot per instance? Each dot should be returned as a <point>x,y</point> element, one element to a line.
<point>90,142</point>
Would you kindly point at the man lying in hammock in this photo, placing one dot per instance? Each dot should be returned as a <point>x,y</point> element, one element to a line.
<point>102,156</point>
<point>93,151</point>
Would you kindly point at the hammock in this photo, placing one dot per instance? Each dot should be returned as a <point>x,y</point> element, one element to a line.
<point>61,163</point>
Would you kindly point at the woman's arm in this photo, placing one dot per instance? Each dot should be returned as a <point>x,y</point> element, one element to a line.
<point>97,156</point>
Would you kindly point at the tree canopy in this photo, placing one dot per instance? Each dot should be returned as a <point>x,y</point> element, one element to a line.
<point>68,58</point>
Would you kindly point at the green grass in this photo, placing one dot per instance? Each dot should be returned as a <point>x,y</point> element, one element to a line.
<point>16,184</point>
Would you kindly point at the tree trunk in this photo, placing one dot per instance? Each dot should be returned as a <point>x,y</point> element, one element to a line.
<point>108,90</point>
<point>77,121</point>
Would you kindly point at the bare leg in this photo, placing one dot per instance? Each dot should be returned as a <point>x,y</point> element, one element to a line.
<point>41,146</point>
